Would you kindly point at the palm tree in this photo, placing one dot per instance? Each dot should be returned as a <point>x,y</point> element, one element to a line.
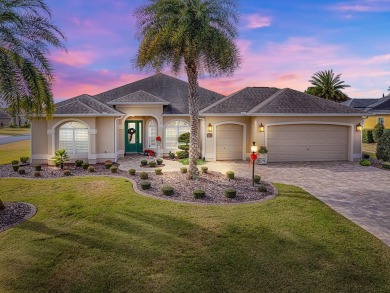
<point>328,86</point>
<point>198,35</point>
<point>26,32</point>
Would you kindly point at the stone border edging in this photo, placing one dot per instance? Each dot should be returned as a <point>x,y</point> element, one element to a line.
<point>26,217</point>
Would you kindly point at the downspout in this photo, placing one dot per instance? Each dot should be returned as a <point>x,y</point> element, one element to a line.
<point>203,136</point>
<point>116,138</point>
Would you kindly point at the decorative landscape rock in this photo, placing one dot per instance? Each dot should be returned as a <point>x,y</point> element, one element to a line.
<point>15,213</point>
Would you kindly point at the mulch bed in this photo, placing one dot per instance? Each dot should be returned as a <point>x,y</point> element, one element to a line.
<point>15,213</point>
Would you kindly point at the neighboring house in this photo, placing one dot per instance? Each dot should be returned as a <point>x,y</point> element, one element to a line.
<point>5,119</point>
<point>379,109</point>
<point>125,120</point>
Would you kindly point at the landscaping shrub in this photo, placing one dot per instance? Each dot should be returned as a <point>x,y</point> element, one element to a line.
<point>386,165</point>
<point>152,164</point>
<point>24,160</point>
<point>143,175</point>
<point>199,193</point>
<point>204,169</point>
<point>107,165</point>
<point>262,188</point>
<point>38,168</point>
<point>378,132</point>
<point>257,179</point>
<point>158,171</point>
<point>145,185</point>
<point>79,163</point>
<point>159,161</point>
<point>365,162</point>
<point>15,162</point>
<point>167,190</point>
<point>2,206</point>
<point>15,168</point>
<point>171,155</point>
<point>230,193</point>
<point>91,169</point>
<point>37,174</point>
<point>132,171</point>
<point>67,173</point>
<point>61,157</point>
<point>230,174</point>
<point>366,156</point>
<point>144,163</point>
<point>383,147</point>
<point>85,166</point>
<point>22,171</point>
<point>114,169</point>
<point>183,170</point>
<point>182,154</point>
<point>367,136</point>
<point>184,147</point>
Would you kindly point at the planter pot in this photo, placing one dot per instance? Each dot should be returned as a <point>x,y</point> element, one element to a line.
<point>262,159</point>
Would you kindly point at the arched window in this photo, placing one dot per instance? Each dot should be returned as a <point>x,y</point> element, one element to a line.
<point>173,130</point>
<point>73,137</point>
<point>152,133</point>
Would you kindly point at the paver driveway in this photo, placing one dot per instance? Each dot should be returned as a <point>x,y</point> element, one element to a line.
<point>361,194</point>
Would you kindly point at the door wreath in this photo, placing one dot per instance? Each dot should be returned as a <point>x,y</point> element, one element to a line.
<point>131,132</point>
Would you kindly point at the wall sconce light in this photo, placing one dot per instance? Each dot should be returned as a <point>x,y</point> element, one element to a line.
<point>359,127</point>
<point>261,128</point>
<point>209,128</point>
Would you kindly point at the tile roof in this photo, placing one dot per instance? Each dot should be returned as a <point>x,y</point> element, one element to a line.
<point>139,97</point>
<point>276,101</point>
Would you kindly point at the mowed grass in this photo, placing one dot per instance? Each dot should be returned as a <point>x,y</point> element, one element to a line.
<point>94,234</point>
<point>14,131</point>
<point>13,151</point>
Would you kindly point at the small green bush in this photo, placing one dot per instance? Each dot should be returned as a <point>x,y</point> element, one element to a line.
<point>184,147</point>
<point>257,179</point>
<point>145,185</point>
<point>386,165</point>
<point>365,163</point>
<point>15,162</point>
<point>22,171</point>
<point>67,173</point>
<point>183,170</point>
<point>262,188</point>
<point>152,164</point>
<point>158,171</point>
<point>107,165</point>
<point>24,160</point>
<point>114,169</point>
<point>230,174</point>
<point>159,161</point>
<point>91,169</point>
<point>230,193</point>
<point>78,163</point>
<point>37,174</point>
<point>204,169</point>
<point>143,175</point>
<point>167,190</point>
<point>367,136</point>
<point>85,166</point>
<point>144,163</point>
<point>199,193</point>
<point>15,168</point>
<point>38,168</point>
<point>182,154</point>
<point>171,155</point>
<point>383,147</point>
<point>184,138</point>
<point>378,132</point>
<point>132,172</point>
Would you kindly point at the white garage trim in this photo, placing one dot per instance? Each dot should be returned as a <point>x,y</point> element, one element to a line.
<point>243,137</point>
<point>350,125</point>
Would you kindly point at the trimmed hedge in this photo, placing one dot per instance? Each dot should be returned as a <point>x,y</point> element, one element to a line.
<point>262,188</point>
<point>143,175</point>
<point>383,147</point>
<point>183,170</point>
<point>144,163</point>
<point>159,161</point>
<point>78,163</point>
<point>22,171</point>
<point>167,190</point>
<point>367,136</point>
<point>15,168</point>
<point>152,164</point>
<point>38,168</point>
<point>199,193</point>
<point>257,179</point>
<point>182,154</point>
<point>91,169</point>
<point>365,163</point>
<point>230,174</point>
<point>205,170</point>
<point>114,169</point>
<point>145,185</point>
<point>14,162</point>
<point>378,132</point>
<point>230,193</point>
<point>132,172</point>
<point>158,171</point>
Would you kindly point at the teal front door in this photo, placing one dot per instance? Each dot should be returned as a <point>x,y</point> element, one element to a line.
<point>133,137</point>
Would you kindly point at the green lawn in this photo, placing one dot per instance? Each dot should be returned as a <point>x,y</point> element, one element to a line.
<point>14,131</point>
<point>186,161</point>
<point>13,151</point>
<point>94,234</point>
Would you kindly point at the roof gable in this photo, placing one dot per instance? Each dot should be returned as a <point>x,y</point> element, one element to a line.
<point>139,97</point>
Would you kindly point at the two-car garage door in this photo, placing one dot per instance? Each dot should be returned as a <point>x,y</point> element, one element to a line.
<point>307,142</point>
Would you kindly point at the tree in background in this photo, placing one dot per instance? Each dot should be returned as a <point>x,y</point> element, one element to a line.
<point>195,35</point>
<point>26,32</point>
<point>327,86</point>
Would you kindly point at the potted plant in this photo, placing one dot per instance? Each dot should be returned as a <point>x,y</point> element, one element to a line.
<point>262,160</point>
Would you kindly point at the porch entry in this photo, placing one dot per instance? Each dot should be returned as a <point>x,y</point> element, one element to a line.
<point>133,136</point>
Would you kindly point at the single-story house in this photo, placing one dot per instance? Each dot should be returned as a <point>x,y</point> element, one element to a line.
<point>293,125</point>
<point>378,109</point>
<point>5,118</point>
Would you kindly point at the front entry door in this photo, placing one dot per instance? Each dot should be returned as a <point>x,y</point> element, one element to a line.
<point>133,136</point>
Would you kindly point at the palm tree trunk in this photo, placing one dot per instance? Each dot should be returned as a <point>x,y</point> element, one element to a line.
<point>193,105</point>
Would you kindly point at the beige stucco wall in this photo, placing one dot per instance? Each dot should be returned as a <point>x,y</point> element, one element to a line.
<point>105,133</point>
<point>371,121</point>
<point>39,144</point>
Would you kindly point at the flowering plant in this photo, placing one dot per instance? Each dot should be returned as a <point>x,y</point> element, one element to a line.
<point>263,150</point>
<point>158,138</point>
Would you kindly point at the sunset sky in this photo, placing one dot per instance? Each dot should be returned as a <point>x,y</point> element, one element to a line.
<point>282,44</point>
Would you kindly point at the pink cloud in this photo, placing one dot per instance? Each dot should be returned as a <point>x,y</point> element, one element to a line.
<point>363,6</point>
<point>76,58</point>
<point>257,21</point>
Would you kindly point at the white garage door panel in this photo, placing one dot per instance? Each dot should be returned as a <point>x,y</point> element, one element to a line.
<point>229,142</point>
<point>308,142</point>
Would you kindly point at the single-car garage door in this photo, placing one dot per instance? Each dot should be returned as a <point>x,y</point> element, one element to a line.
<point>308,142</point>
<point>229,142</point>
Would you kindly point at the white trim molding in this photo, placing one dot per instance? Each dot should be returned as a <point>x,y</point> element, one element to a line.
<point>243,137</point>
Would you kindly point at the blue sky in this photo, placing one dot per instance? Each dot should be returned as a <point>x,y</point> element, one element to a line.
<point>282,44</point>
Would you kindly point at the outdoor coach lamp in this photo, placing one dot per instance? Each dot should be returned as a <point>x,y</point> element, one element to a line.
<point>261,128</point>
<point>253,160</point>
<point>210,128</point>
<point>359,127</point>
